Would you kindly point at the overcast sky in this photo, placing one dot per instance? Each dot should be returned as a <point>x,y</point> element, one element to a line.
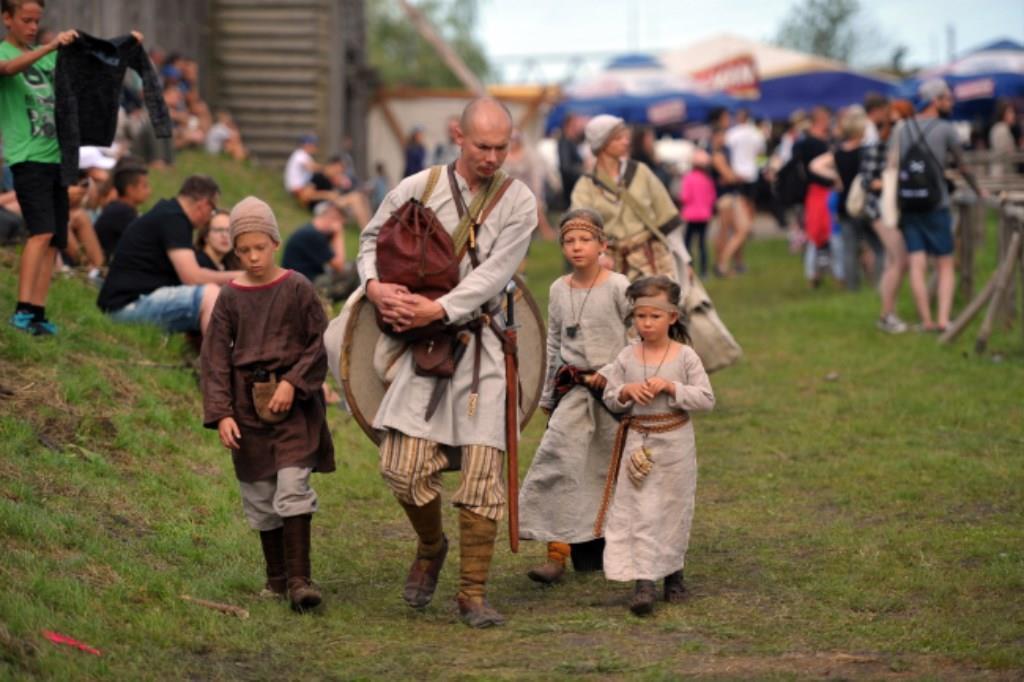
<point>520,27</point>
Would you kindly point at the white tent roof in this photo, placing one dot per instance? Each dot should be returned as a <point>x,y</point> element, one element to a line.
<point>771,61</point>
<point>1002,57</point>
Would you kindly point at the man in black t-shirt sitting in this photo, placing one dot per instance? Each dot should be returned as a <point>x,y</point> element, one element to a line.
<point>131,182</point>
<point>317,251</point>
<point>334,183</point>
<point>154,277</point>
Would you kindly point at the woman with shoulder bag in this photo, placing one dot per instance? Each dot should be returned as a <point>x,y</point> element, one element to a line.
<point>880,208</point>
<point>842,164</point>
<point>641,221</point>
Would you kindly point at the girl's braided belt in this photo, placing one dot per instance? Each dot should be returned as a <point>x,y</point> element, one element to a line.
<point>645,424</point>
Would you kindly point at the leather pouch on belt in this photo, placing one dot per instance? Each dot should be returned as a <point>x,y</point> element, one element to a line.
<point>262,392</point>
<point>643,255</point>
<point>435,356</point>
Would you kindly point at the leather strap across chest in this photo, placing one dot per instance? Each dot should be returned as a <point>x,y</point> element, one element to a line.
<point>473,216</point>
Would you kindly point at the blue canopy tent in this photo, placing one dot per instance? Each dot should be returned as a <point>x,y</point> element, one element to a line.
<point>978,79</point>
<point>773,81</point>
<point>638,89</point>
<point>783,95</point>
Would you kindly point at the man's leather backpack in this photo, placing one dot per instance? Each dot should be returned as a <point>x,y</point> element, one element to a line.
<point>414,250</point>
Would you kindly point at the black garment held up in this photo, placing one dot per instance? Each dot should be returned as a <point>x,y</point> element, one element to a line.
<point>87,90</point>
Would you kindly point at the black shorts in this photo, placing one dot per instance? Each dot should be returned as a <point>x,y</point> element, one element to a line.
<point>747,189</point>
<point>43,200</point>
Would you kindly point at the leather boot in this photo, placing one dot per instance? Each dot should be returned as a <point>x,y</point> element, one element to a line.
<point>431,551</point>
<point>476,547</point>
<point>675,591</point>
<point>273,553</point>
<point>588,557</point>
<point>552,570</point>
<point>302,593</point>
<point>643,598</point>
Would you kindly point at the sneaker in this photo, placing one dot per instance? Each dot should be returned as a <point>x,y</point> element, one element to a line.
<point>45,328</point>
<point>23,320</point>
<point>890,324</point>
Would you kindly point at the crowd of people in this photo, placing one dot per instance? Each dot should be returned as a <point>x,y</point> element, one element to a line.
<point>613,482</point>
<point>830,179</point>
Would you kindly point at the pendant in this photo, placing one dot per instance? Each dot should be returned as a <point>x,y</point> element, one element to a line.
<point>572,331</point>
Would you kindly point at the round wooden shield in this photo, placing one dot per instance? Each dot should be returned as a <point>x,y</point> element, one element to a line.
<point>360,358</point>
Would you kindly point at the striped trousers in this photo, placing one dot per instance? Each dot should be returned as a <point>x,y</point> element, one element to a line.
<point>412,469</point>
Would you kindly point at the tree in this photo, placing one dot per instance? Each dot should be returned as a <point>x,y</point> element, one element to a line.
<point>829,28</point>
<point>402,57</point>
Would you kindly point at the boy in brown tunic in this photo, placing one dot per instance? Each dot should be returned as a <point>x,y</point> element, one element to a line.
<point>267,328</point>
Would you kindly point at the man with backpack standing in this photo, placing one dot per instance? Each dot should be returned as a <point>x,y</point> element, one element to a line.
<point>924,144</point>
<point>489,218</point>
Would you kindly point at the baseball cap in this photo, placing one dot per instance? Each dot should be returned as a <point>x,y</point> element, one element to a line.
<point>932,89</point>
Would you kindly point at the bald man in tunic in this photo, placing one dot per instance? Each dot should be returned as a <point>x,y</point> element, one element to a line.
<point>412,457</point>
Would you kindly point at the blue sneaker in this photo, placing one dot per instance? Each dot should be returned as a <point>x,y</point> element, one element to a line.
<point>45,328</point>
<point>22,320</point>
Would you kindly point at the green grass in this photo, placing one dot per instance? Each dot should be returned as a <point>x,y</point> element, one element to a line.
<point>861,525</point>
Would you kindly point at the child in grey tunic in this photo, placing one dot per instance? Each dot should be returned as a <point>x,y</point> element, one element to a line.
<point>652,478</point>
<point>586,330</point>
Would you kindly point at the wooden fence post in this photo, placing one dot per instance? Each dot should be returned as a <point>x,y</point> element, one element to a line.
<point>966,236</point>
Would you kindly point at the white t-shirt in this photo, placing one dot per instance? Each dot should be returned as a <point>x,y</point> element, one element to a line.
<point>296,172</point>
<point>745,143</point>
<point>870,134</point>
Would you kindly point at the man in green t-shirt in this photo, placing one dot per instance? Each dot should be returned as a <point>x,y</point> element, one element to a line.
<point>31,148</point>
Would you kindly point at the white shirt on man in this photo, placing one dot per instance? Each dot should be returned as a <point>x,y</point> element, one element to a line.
<point>745,143</point>
<point>296,172</point>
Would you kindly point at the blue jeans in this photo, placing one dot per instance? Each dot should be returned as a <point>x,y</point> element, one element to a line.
<point>174,309</point>
<point>931,232</point>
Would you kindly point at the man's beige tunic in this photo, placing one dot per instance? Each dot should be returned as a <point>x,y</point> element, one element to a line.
<point>502,242</point>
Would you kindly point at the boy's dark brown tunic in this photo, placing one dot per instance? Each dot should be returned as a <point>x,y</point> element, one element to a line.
<point>278,327</point>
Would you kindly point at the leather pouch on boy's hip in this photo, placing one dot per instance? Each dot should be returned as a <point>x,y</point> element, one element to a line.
<point>262,393</point>
<point>435,355</point>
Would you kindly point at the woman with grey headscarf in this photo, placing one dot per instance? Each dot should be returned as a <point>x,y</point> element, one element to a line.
<point>641,221</point>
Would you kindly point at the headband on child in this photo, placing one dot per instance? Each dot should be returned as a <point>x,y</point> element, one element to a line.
<point>581,224</point>
<point>655,302</point>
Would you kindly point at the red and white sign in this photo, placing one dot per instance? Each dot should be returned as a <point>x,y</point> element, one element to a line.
<point>669,111</point>
<point>736,76</point>
<point>982,88</point>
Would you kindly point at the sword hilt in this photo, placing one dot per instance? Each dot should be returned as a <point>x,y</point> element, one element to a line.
<point>510,304</point>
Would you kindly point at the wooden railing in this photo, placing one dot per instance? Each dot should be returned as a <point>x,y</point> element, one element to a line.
<point>999,295</point>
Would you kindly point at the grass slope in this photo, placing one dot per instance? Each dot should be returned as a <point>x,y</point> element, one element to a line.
<point>859,514</point>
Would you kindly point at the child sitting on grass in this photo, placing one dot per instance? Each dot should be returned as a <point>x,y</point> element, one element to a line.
<point>653,471</point>
<point>263,366</point>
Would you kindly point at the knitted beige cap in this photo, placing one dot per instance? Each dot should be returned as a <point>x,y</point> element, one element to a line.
<point>254,215</point>
<point>600,129</point>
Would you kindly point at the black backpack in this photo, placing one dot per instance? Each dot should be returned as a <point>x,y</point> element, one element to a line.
<point>921,180</point>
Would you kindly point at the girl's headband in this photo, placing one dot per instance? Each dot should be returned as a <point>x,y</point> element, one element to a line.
<point>655,302</point>
<point>580,224</point>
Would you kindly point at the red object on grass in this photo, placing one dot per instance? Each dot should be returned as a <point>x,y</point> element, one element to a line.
<point>58,638</point>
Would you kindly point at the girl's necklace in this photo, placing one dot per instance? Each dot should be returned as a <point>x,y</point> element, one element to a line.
<point>643,360</point>
<point>574,329</point>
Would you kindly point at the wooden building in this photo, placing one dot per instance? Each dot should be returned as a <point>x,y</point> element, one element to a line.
<point>283,68</point>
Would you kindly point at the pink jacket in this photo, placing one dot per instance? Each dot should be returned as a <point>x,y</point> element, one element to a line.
<point>697,192</point>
